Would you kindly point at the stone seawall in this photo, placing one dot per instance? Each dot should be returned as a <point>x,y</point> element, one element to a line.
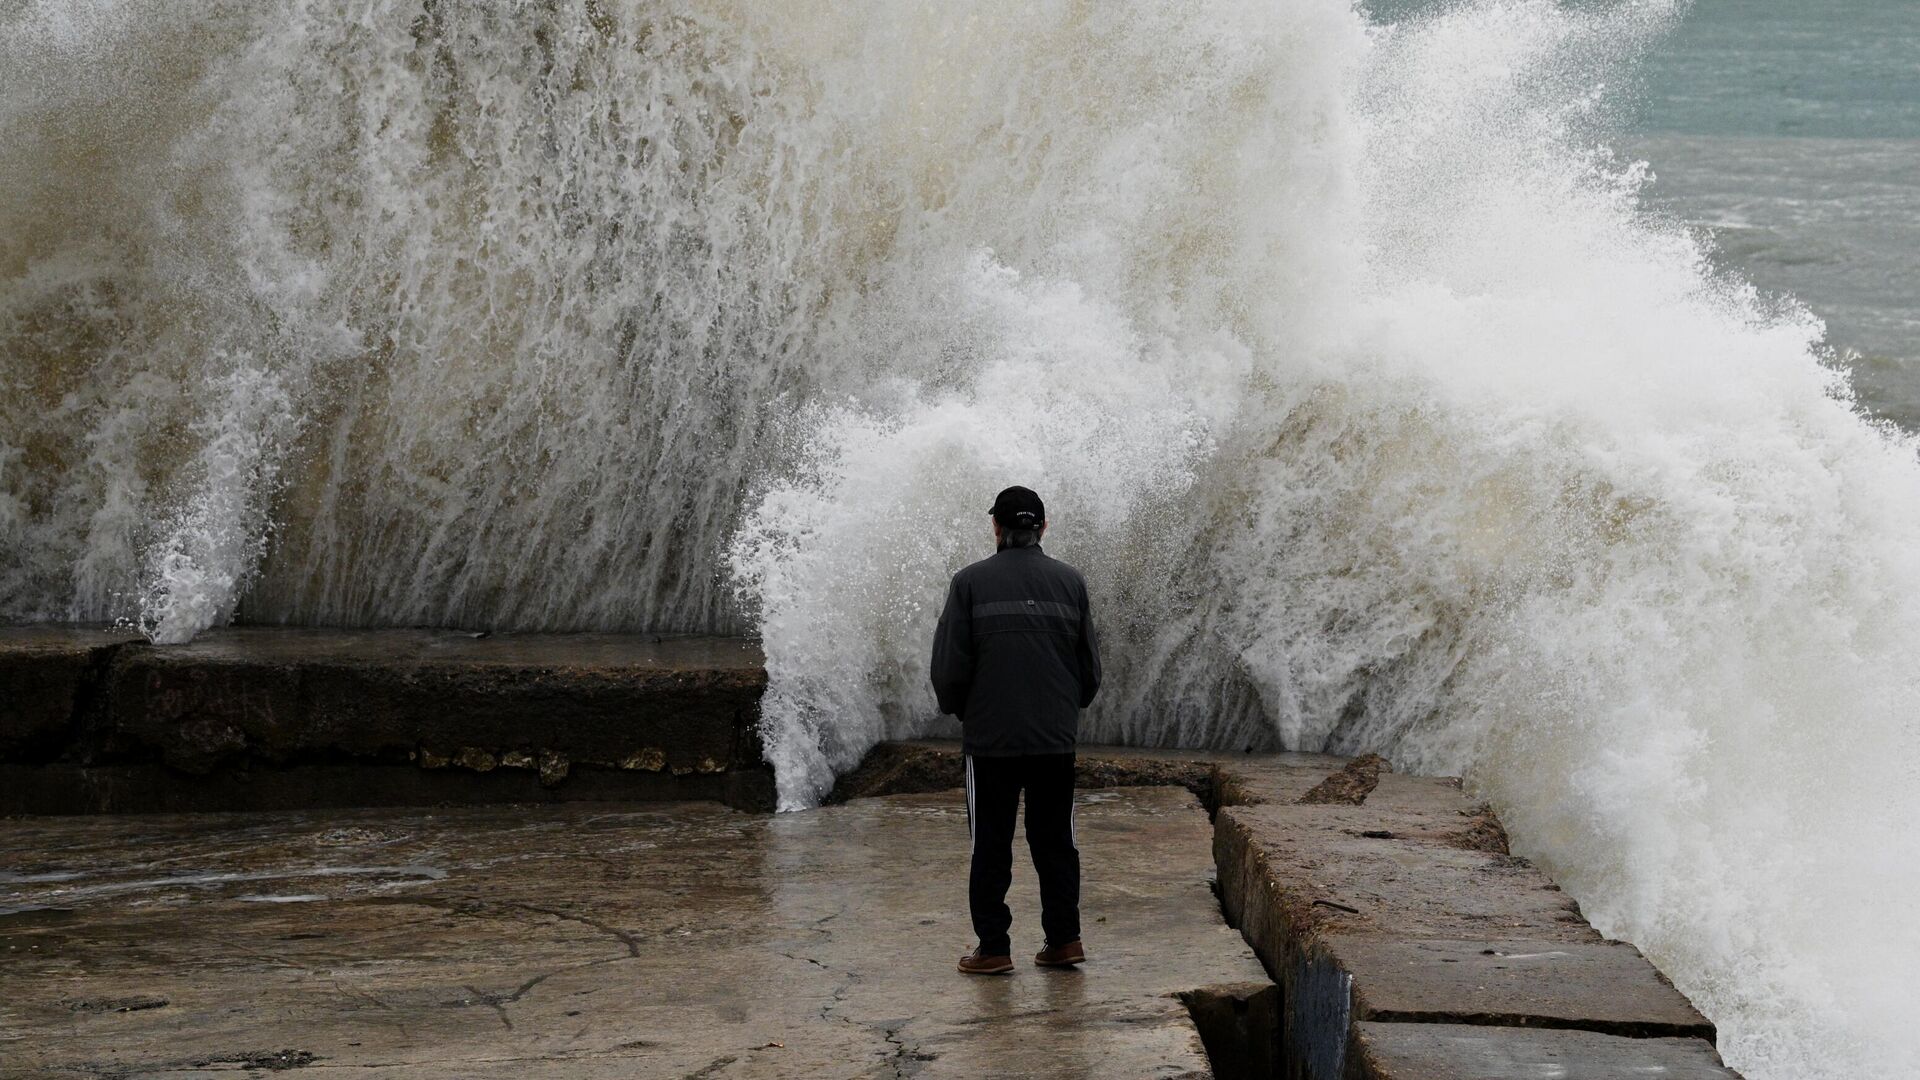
<point>269,718</point>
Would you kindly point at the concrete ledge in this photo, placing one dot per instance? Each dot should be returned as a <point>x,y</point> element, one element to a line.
<point>1599,986</point>
<point>257,717</point>
<point>62,788</point>
<point>1405,911</point>
<point>1462,1052</point>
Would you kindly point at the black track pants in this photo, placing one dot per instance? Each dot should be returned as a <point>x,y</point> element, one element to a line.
<point>993,798</point>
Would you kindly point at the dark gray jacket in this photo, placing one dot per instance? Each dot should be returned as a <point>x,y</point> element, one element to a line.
<point>1015,657</point>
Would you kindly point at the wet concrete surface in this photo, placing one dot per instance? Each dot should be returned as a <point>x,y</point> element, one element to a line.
<point>664,940</point>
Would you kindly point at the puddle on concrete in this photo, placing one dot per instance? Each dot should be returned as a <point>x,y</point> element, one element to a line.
<point>383,875</point>
<point>34,916</point>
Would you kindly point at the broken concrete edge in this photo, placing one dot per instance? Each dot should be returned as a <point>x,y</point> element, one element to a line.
<point>55,679</point>
<point>124,719</point>
<point>1601,986</point>
<point>1239,1025</point>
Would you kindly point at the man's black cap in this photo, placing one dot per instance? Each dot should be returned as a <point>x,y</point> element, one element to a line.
<point>1019,508</point>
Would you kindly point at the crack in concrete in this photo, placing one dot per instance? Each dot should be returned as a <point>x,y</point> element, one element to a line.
<point>280,961</point>
<point>903,1059</point>
<point>807,959</point>
<point>1051,1010</point>
<point>366,996</point>
<point>498,1002</point>
<point>251,1061</point>
<point>492,1001</point>
<point>622,1050</point>
<point>907,1058</point>
<point>839,996</point>
<point>625,938</point>
<point>711,1068</point>
<point>473,906</point>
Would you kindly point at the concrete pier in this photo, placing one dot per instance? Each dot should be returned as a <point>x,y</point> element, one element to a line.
<point>1397,937</point>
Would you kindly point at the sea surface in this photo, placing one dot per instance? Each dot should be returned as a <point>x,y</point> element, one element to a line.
<point>1788,135</point>
<point>1790,132</point>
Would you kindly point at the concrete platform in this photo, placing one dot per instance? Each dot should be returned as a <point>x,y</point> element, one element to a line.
<point>261,718</point>
<point>592,941</point>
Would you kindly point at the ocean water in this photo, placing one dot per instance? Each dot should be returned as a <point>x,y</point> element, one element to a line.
<point>1790,133</point>
<point>1387,373</point>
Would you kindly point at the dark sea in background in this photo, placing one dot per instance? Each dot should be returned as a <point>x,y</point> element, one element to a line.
<point>1790,131</point>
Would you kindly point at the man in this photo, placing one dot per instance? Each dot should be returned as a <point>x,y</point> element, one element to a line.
<point>1016,659</point>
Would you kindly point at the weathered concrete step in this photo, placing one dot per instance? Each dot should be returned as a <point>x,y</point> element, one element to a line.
<point>262,714</point>
<point>1468,1052</point>
<point>1404,909</point>
<point>1599,986</point>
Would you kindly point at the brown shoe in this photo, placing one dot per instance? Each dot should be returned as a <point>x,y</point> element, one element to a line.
<point>1061,955</point>
<point>975,964</point>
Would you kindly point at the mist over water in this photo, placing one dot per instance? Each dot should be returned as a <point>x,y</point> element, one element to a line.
<point>1377,411</point>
